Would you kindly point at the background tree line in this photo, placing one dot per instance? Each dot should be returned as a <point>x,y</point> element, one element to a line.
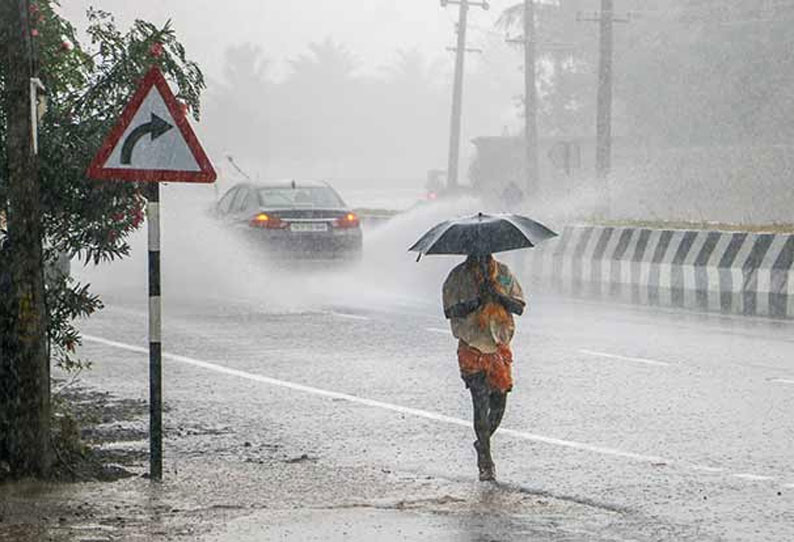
<point>687,73</point>
<point>325,117</point>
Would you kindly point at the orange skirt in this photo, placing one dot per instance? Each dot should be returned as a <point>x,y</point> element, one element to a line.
<point>497,366</point>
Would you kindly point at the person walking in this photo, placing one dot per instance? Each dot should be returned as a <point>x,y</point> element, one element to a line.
<point>480,297</point>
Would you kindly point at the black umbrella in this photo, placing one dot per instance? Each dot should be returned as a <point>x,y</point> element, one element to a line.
<point>482,234</point>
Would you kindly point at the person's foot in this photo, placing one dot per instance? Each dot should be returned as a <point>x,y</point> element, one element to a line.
<point>488,473</point>
<point>484,464</point>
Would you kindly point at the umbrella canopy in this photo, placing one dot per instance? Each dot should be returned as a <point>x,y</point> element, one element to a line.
<point>482,234</point>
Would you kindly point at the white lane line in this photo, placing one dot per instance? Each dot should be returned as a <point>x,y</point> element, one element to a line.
<point>704,468</point>
<point>439,330</point>
<point>782,381</point>
<point>349,316</point>
<point>414,411</point>
<point>752,477</point>
<point>379,404</point>
<point>624,358</point>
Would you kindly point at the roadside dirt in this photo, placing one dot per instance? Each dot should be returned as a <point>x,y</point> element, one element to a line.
<point>97,438</point>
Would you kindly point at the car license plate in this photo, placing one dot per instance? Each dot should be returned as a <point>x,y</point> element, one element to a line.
<point>308,226</point>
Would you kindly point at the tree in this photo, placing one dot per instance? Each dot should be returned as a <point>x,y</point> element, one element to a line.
<point>699,72</point>
<point>321,98</point>
<point>242,106</point>
<point>323,118</point>
<point>87,89</point>
<point>566,60</point>
<point>24,367</point>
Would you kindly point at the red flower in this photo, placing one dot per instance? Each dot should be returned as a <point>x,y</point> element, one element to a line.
<point>156,50</point>
<point>34,33</point>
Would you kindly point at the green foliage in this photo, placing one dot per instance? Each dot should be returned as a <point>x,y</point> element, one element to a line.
<point>566,63</point>
<point>704,73</point>
<point>686,72</point>
<point>87,88</point>
<point>67,301</point>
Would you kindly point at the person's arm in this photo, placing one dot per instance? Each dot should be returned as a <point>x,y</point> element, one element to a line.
<point>515,305</point>
<point>462,309</point>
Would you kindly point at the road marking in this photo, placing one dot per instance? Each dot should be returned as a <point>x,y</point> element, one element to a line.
<point>752,477</point>
<point>581,446</point>
<point>624,358</point>
<point>349,316</point>
<point>707,469</point>
<point>439,330</point>
<point>378,404</point>
<point>782,381</point>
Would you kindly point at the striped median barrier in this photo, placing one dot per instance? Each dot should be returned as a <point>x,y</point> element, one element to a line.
<point>732,272</point>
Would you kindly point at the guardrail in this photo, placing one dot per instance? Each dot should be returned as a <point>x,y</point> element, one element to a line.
<point>733,272</point>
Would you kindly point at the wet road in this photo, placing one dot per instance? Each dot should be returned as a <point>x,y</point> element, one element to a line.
<point>625,423</point>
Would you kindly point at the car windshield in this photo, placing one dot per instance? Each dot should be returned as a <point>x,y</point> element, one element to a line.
<point>315,196</point>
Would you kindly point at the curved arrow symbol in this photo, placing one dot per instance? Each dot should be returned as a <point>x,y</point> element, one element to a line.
<point>156,127</point>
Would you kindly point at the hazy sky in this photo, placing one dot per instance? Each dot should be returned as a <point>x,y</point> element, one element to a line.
<point>372,29</point>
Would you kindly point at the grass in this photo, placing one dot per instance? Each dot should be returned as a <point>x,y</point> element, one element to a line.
<point>774,227</point>
<point>778,228</point>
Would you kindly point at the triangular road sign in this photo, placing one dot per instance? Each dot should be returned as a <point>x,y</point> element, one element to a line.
<point>152,141</point>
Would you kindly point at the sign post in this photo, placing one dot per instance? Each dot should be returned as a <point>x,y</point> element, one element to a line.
<point>155,337</point>
<point>153,142</point>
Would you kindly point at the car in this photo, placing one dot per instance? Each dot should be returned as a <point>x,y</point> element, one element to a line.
<point>293,219</point>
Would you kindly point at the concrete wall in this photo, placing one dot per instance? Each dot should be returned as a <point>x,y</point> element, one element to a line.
<point>733,272</point>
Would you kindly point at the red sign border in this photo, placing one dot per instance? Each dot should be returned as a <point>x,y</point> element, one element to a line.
<point>153,78</point>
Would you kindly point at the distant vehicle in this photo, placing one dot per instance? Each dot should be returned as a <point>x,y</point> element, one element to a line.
<point>298,219</point>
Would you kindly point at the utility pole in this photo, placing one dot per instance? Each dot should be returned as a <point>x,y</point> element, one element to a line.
<point>530,99</point>
<point>24,367</point>
<point>531,45</point>
<point>457,89</point>
<point>606,19</point>
<point>604,102</point>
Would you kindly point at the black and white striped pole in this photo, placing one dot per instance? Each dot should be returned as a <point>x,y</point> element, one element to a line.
<point>155,337</point>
